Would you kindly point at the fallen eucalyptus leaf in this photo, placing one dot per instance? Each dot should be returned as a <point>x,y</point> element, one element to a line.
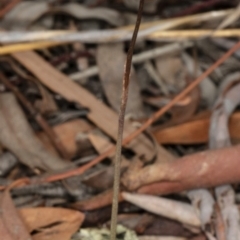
<point>175,210</point>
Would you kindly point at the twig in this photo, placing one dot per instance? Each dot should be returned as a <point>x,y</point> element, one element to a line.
<point>38,117</point>
<point>125,86</point>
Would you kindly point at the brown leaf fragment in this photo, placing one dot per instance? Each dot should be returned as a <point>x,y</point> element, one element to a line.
<point>181,112</point>
<point>51,223</point>
<point>111,59</point>
<point>17,136</point>
<point>47,103</point>
<point>11,224</point>
<point>195,131</point>
<point>67,132</point>
<point>171,70</point>
<point>101,200</point>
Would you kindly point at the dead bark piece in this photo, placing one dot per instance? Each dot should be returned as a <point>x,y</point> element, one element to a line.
<point>67,133</point>
<point>51,223</point>
<point>100,114</point>
<point>178,211</point>
<point>204,169</point>
<point>17,136</point>
<point>11,224</point>
<point>111,59</point>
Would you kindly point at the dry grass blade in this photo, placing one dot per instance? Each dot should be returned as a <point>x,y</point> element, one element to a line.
<point>117,163</point>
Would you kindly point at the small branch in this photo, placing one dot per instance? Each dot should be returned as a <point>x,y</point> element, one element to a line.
<point>124,98</point>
